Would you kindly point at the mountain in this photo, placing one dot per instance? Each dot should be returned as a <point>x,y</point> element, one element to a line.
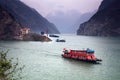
<point>83,18</point>
<point>28,17</point>
<point>106,22</point>
<point>68,22</point>
<point>9,28</point>
<point>65,20</point>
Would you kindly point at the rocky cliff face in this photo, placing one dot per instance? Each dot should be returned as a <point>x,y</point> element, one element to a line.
<point>106,22</point>
<point>28,17</point>
<point>9,28</point>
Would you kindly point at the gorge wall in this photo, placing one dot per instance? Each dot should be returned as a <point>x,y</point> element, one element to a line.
<point>28,17</point>
<point>106,22</point>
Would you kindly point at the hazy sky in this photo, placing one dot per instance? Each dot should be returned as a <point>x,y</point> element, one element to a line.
<point>51,6</point>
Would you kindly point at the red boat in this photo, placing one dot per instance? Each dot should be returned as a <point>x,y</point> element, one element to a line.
<point>82,55</point>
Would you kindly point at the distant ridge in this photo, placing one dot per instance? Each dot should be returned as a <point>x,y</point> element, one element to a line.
<point>106,22</point>
<point>28,17</point>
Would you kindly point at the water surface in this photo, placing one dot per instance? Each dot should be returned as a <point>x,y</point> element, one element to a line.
<point>43,60</point>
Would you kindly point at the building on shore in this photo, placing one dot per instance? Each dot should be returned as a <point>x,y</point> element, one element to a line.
<point>23,31</point>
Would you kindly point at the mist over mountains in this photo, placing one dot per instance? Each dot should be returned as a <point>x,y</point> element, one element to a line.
<point>28,17</point>
<point>69,22</point>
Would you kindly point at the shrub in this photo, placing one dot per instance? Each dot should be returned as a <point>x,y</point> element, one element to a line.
<point>9,70</point>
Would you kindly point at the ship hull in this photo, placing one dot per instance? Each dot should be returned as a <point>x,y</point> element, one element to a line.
<point>97,61</point>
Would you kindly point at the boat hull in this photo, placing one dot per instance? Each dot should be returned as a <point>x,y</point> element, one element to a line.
<point>84,60</point>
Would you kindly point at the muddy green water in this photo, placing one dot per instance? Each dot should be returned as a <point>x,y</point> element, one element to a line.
<point>43,60</point>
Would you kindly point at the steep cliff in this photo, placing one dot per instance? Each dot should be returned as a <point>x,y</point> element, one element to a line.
<point>106,22</point>
<point>28,16</point>
<point>9,28</point>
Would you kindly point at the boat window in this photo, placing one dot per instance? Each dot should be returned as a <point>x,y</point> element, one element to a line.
<point>89,51</point>
<point>66,51</point>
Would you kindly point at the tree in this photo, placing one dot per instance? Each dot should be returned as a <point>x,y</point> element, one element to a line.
<point>9,70</point>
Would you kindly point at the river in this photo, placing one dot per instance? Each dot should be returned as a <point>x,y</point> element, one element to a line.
<point>43,60</point>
